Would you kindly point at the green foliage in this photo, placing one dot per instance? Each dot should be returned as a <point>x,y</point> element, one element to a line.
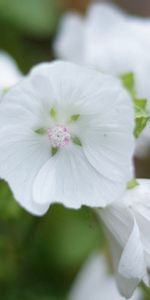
<point>8,206</point>
<point>38,17</point>
<point>142,115</point>
<point>128,82</point>
<point>40,257</point>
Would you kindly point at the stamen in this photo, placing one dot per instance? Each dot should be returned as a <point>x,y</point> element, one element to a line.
<point>59,136</point>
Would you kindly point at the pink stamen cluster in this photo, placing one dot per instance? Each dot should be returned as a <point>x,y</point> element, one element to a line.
<point>59,136</point>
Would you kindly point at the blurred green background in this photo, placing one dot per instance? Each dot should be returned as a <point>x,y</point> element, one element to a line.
<point>39,257</point>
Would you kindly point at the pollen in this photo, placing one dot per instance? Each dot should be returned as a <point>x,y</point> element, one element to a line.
<point>59,136</point>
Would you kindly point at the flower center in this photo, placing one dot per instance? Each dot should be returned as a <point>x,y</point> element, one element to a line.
<point>59,136</point>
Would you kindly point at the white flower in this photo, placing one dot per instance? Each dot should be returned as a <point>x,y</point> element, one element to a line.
<point>113,42</point>
<point>107,38</point>
<point>94,282</point>
<point>128,224</point>
<point>66,136</point>
<point>9,73</point>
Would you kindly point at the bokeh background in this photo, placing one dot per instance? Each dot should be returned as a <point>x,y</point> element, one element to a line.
<point>40,257</point>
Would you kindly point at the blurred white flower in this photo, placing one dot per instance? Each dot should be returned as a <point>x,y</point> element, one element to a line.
<point>66,136</point>
<point>94,282</point>
<point>9,72</point>
<point>128,224</point>
<point>113,42</point>
<point>106,38</point>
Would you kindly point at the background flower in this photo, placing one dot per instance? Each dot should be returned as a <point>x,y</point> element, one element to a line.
<point>128,224</point>
<point>10,73</point>
<point>95,282</point>
<point>113,42</point>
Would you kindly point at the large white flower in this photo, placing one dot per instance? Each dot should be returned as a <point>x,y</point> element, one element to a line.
<point>113,42</point>
<point>128,224</point>
<point>66,136</point>
<point>94,282</point>
<point>9,73</point>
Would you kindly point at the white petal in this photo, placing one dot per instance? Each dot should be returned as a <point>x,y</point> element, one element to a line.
<point>118,220</point>
<point>122,225</point>
<point>10,74</point>
<point>125,285</point>
<point>94,282</point>
<point>139,200</point>
<point>28,103</point>
<point>22,153</point>
<point>132,262</point>
<point>108,140</point>
<point>69,43</point>
<point>105,14</point>
<point>85,91</point>
<point>128,287</point>
<point>68,178</point>
<point>91,281</point>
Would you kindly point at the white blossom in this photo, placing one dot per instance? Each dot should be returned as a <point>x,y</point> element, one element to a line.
<point>112,41</point>
<point>9,72</point>
<point>94,282</point>
<point>128,225</point>
<point>66,136</point>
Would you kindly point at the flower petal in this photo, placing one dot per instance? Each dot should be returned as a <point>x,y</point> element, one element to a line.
<point>125,285</point>
<point>132,262</point>
<point>107,141</point>
<point>10,74</point>
<point>81,90</point>
<point>28,103</point>
<point>68,178</point>
<point>22,153</point>
<point>69,43</point>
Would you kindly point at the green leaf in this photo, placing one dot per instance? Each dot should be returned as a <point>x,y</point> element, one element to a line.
<point>140,104</point>
<point>140,125</point>
<point>142,115</point>
<point>132,184</point>
<point>129,82</point>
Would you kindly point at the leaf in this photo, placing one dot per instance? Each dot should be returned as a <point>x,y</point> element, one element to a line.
<point>142,115</point>
<point>129,82</point>
<point>132,184</point>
